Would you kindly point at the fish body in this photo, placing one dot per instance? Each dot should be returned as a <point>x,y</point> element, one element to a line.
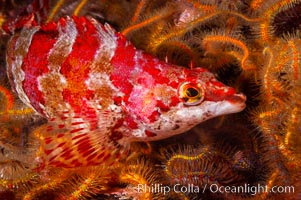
<point>85,77</point>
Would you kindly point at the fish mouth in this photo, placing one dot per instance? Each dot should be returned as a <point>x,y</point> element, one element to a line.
<point>232,104</point>
<point>237,100</point>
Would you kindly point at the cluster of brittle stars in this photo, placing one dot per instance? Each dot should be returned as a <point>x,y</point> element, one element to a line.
<point>237,34</point>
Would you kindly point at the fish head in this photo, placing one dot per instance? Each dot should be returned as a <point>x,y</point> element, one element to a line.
<point>180,99</point>
<point>202,96</point>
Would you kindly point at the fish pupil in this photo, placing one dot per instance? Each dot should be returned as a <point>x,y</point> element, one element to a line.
<point>192,92</point>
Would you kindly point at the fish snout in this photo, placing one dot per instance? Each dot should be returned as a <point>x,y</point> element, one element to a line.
<point>237,98</point>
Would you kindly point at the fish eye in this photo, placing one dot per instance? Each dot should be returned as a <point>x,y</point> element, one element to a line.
<point>191,93</point>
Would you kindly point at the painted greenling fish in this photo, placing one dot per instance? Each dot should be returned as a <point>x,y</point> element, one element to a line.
<point>94,85</point>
